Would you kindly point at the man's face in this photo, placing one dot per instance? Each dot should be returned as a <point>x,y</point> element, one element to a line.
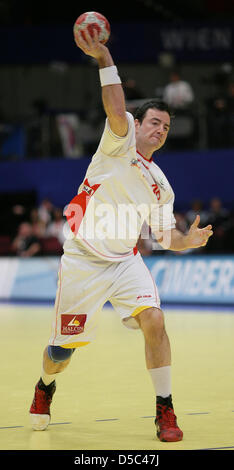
<point>153,130</point>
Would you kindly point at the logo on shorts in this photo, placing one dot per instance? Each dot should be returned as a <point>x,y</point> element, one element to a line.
<point>72,324</point>
<point>143,296</point>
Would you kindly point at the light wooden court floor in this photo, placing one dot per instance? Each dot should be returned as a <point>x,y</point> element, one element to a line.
<point>105,399</point>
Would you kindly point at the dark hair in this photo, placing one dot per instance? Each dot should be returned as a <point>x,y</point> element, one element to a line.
<point>152,104</point>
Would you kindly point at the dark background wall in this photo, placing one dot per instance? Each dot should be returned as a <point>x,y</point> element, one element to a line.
<point>39,60</point>
<point>201,175</point>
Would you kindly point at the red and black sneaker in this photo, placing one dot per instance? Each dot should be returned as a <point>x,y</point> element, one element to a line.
<point>166,424</point>
<point>40,407</point>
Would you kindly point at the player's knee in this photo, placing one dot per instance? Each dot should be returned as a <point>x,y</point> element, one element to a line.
<point>59,354</point>
<point>151,319</point>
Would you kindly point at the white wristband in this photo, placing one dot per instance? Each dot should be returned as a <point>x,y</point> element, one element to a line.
<point>109,76</point>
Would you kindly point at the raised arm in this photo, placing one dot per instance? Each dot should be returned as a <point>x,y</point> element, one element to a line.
<point>112,94</point>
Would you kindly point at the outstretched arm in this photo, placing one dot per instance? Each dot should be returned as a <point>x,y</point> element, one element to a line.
<point>112,95</point>
<point>196,237</point>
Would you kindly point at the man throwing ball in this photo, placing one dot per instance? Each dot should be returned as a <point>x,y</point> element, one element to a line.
<point>100,261</point>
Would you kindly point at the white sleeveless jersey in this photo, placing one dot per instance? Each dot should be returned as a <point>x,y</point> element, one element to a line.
<point>120,191</point>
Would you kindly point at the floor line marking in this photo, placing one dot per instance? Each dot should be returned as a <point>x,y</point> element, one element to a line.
<point>117,419</point>
<point>51,424</point>
<point>110,419</point>
<point>217,448</point>
<point>147,416</point>
<point>11,427</point>
<point>55,424</point>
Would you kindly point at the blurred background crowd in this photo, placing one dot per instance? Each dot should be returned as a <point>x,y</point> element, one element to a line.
<point>50,103</point>
<point>35,231</point>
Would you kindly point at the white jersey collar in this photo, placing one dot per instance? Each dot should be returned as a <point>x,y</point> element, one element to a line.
<point>142,156</point>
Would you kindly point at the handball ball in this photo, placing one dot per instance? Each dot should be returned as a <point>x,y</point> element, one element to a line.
<point>92,20</point>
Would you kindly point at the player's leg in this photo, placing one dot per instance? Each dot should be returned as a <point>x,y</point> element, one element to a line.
<point>157,345</point>
<point>139,307</point>
<point>158,363</point>
<point>55,360</point>
<point>82,291</point>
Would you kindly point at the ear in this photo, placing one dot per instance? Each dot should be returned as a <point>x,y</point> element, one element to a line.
<point>137,124</point>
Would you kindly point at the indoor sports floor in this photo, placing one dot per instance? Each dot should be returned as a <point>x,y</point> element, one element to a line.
<point>105,399</point>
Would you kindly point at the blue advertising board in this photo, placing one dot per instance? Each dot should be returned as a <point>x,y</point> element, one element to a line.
<point>195,279</point>
<point>180,278</point>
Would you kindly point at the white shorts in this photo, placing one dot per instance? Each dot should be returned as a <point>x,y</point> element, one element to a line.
<point>86,283</point>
